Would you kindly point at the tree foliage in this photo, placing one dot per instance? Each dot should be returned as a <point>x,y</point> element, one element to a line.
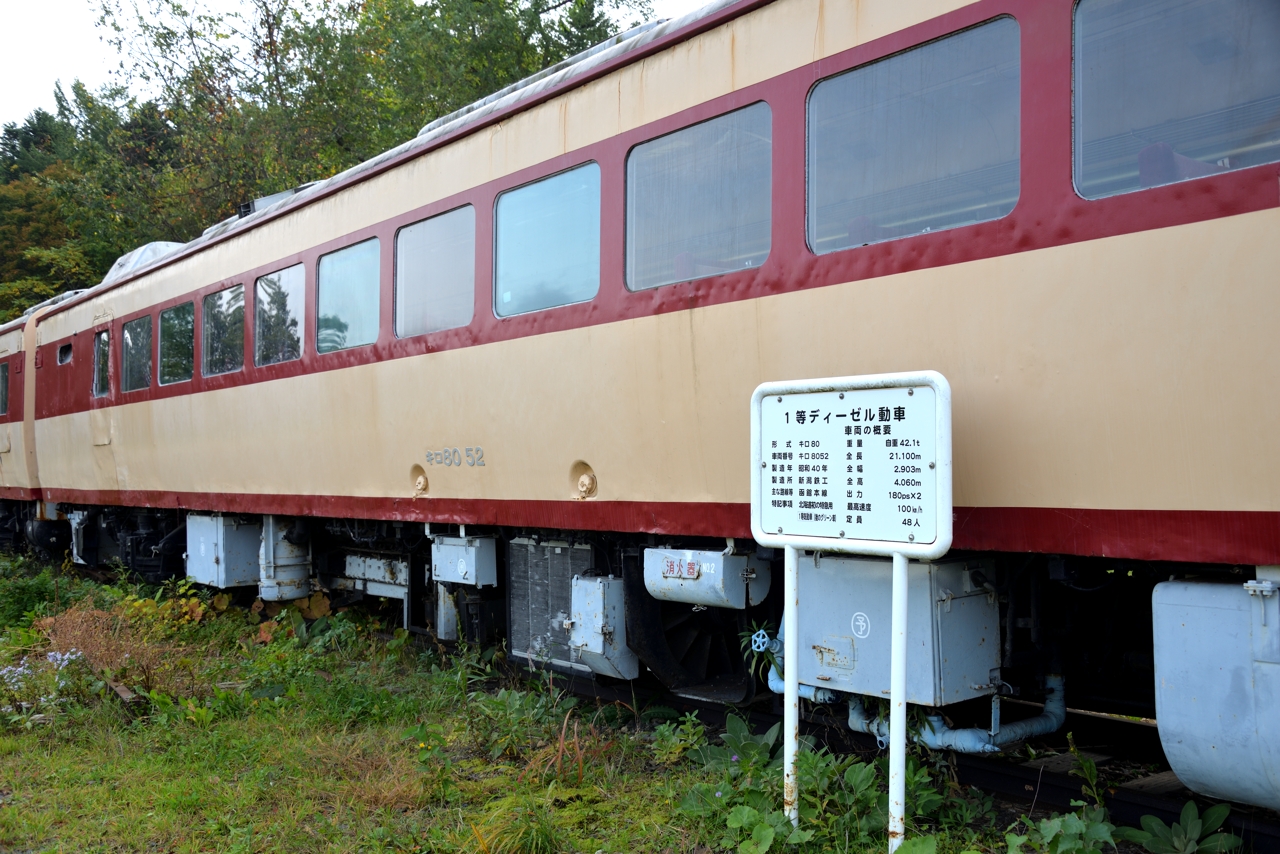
<point>211,110</point>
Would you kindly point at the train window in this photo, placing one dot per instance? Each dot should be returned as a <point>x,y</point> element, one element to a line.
<point>64,354</point>
<point>222,331</point>
<point>436,273</point>
<point>278,307</point>
<point>547,242</point>
<point>4,389</point>
<point>177,343</point>
<point>347,297</point>
<point>924,140</point>
<point>1169,91</point>
<point>135,356</point>
<point>102,364</point>
<point>698,200</point>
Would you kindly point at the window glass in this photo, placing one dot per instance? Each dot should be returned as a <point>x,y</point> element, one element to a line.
<point>177,343</point>
<point>4,388</point>
<point>135,358</point>
<point>547,239</point>
<point>64,354</point>
<point>436,273</point>
<point>222,319</point>
<point>347,297</point>
<point>277,309</point>
<point>918,142</point>
<point>101,364</point>
<point>698,200</point>
<point>1167,91</point>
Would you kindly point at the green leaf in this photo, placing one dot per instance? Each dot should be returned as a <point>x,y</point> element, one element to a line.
<point>736,726</point>
<point>1130,834</point>
<point>919,845</point>
<point>1219,843</point>
<point>799,836</point>
<point>743,816</point>
<point>1015,842</point>
<point>1214,817</point>
<point>701,800</point>
<point>762,838</point>
<point>1156,828</point>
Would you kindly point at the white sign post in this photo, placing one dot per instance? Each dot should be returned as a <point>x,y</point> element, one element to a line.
<point>852,465</point>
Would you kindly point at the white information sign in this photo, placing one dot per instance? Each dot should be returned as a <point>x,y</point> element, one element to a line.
<point>853,465</point>
<point>858,465</point>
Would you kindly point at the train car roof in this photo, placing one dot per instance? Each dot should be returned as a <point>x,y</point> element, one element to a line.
<point>621,50</point>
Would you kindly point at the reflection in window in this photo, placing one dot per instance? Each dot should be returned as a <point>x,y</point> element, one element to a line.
<point>4,389</point>
<point>548,242</point>
<point>102,364</point>
<point>921,141</point>
<point>135,357</point>
<point>277,304</point>
<point>177,343</point>
<point>347,297</point>
<point>698,200</point>
<point>436,273</point>
<point>1169,91</point>
<point>222,319</point>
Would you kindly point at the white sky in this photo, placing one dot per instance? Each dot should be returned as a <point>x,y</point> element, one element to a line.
<point>56,40</point>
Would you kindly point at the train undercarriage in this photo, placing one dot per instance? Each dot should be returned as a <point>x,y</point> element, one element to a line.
<point>1000,645</point>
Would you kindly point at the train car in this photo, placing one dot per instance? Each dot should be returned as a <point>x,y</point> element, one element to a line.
<point>501,373</point>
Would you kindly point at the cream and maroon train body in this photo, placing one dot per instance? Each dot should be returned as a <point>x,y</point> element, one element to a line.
<point>1111,359</point>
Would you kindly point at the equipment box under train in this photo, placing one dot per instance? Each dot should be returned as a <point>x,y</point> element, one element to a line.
<point>953,629</point>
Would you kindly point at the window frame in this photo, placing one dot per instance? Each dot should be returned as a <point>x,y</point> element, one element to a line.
<point>493,238</point>
<point>1021,129</point>
<point>151,353</point>
<point>160,339</point>
<point>1076,141</point>
<point>475,269</point>
<point>626,195</point>
<point>315,325</point>
<point>100,352</point>
<point>302,319</point>
<point>201,297</point>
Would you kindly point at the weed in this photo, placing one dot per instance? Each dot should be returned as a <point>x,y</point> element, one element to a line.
<point>511,722</point>
<point>1087,770</point>
<point>1082,832</point>
<point>1190,834</point>
<point>672,741</point>
<point>519,824</point>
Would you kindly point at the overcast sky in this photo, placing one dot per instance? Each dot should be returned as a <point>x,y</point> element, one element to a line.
<point>56,40</point>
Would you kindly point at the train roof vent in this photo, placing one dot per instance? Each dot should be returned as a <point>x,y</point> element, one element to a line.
<point>139,258</point>
<point>261,204</point>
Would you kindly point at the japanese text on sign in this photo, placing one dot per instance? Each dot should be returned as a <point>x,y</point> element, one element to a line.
<point>855,464</point>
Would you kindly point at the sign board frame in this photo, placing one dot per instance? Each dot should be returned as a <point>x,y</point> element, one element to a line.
<point>942,473</point>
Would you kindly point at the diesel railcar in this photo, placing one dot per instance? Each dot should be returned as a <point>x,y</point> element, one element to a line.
<point>501,373</point>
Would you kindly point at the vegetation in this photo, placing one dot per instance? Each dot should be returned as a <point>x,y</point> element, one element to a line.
<point>167,718</point>
<point>216,109</point>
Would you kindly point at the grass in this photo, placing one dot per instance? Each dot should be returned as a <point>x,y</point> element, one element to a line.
<point>237,743</point>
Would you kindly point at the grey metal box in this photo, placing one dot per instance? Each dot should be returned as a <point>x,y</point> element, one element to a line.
<point>222,551</point>
<point>465,560</point>
<point>598,629</point>
<point>953,630</point>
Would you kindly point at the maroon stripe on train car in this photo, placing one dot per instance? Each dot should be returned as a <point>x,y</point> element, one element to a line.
<point>19,493</point>
<point>1194,536</point>
<point>1048,213</point>
<point>1197,536</point>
